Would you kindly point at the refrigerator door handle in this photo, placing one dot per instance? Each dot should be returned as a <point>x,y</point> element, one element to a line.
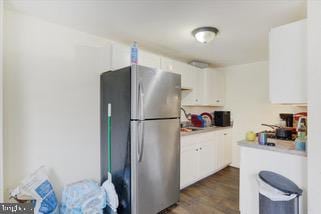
<point>141,141</point>
<point>141,101</point>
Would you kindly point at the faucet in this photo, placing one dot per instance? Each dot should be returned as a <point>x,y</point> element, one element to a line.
<point>188,116</point>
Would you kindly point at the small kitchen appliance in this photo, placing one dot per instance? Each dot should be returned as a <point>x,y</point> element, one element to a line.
<point>222,118</point>
<point>288,118</point>
<point>280,132</point>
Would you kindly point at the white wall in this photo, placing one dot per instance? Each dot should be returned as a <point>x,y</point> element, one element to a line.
<point>1,104</point>
<point>314,98</point>
<point>247,97</point>
<point>51,94</point>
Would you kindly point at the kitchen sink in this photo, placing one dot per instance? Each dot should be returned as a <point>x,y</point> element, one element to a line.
<point>191,129</point>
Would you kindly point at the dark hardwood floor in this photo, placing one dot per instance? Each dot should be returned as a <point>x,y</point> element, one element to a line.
<point>217,194</point>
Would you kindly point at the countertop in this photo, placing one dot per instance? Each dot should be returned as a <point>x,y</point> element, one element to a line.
<point>282,146</point>
<point>204,130</point>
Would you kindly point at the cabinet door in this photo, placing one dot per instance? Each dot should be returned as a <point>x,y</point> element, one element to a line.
<point>213,138</point>
<point>220,149</point>
<point>120,56</point>
<point>207,158</point>
<point>287,63</point>
<point>186,71</point>
<point>195,96</point>
<point>198,86</point>
<point>227,140</point>
<point>189,165</point>
<point>148,59</point>
<point>214,87</point>
<point>167,65</point>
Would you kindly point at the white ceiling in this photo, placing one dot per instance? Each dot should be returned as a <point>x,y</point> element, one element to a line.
<point>165,26</point>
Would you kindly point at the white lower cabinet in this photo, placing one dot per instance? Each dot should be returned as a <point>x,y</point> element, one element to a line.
<point>204,154</point>
<point>227,141</point>
<point>224,138</point>
<point>189,165</point>
<point>207,161</point>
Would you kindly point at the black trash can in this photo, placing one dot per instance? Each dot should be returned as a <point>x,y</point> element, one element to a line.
<point>278,194</point>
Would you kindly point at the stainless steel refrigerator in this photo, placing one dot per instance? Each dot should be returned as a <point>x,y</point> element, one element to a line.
<point>145,137</point>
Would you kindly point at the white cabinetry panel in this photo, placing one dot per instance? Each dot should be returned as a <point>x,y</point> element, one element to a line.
<point>121,57</point>
<point>189,163</point>
<point>201,87</point>
<point>187,74</point>
<point>214,87</point>
<point>287,63</point>
<point>149,59</point>
<point>207,158</point>
<point>167,65</point>
<point>227,137</point>
<point>204,154</point>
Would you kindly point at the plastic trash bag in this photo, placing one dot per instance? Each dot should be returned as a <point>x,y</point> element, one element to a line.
<point>273,193</point>
<point>83,197</point>
<point>38,187</point>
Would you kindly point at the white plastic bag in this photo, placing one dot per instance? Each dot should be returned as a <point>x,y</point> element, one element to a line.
<point>38,187</point>
<point>273,193</point>
<point>83,197</point>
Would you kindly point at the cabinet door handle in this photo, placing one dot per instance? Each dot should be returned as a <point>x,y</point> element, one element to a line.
<point>196,150</point>
<point>225,133</point>
<point>201,148</point>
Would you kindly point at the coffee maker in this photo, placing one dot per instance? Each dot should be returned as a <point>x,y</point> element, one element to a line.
<point>288,118</point>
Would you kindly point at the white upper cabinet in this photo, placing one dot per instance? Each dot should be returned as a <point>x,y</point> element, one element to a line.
<point>149,59</point>
<point>167,64</point>
<point>214,87</point>
<point>287,58</point>
<point>194,93</point>
<point>199,86</point>
<point>186,71</point>
<point>121,57</point>
<point>208,88</point>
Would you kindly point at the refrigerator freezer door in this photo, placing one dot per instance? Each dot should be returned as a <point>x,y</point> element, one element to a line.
<point>155,93</point>
<point>155,153</point>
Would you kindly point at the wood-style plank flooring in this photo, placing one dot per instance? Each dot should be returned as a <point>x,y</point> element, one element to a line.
<point>216,194</point>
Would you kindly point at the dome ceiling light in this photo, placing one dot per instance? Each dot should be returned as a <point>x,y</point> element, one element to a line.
<point>205,34</point>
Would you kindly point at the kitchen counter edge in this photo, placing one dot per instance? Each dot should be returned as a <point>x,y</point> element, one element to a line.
<point>204,130</point>
<point>255,145</point>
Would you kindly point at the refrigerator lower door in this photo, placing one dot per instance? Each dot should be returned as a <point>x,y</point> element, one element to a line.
<point>155,165</point>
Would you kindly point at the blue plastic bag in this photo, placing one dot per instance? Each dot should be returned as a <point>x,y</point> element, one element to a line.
<point>83,197</point>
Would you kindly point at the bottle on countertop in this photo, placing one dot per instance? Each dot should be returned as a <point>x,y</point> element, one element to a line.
<point>302,130</point>
<point>134,54</point>
<point>301,140</point>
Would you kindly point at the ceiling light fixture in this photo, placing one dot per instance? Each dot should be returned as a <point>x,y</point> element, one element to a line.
<point>205,34</point>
